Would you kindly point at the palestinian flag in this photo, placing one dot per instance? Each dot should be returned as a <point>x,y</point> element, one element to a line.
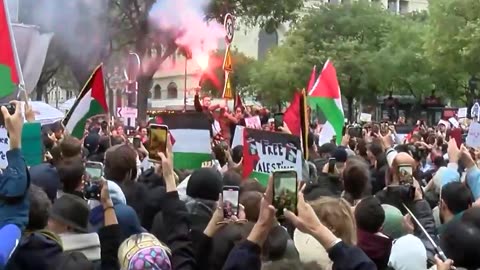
<point>10,72</point>
<point>325,95</point>
<point>296,119</point>
<point>190,134</point>
<point>89,103</point>
<point>265,152</point>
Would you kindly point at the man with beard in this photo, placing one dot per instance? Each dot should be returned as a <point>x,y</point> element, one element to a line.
<point>455,198</point>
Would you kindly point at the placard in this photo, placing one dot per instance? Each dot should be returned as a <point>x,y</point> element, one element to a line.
<point>4,147</point>
<point>473,136</point>
<point>365,117</point>
<point>253,122</point>
<point>462,112</point>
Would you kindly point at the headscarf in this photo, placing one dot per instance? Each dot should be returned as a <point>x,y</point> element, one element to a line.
<point>393,222</point>
<point>408,253</point>
<point>144,252</point>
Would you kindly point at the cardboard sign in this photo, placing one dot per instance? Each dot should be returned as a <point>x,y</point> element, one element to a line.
<point>253,122</point>
<point>473,136</point>
<point>462,112</point>
<point>365,117</point>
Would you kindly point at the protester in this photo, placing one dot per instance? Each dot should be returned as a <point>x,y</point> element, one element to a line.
<point>362,204</point>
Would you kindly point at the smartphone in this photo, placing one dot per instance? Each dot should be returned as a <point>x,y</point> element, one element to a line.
<point>331,165</point>
<point>230,201</point>
<point>157,141</point>
<point>285,191</point>
<point>136,143</point>
<point>11,110</point>
<point>405,172</point>
<point>94,170</point>
<point>278,120</point>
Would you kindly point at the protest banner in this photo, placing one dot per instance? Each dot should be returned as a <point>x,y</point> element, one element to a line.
<point>31,145</point>
<point>265,152</point>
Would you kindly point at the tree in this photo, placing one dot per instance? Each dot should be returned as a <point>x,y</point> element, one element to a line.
<point>213,79</point>
<point>401,64</point>
<point>453,42</point>
<point>130,17</point>
<point>89,32</point>
<point>349,34</point>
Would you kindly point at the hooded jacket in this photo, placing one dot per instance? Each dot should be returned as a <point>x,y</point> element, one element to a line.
<point>38,250</point>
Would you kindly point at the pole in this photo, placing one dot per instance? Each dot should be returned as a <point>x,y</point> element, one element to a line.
<point>185,87</point>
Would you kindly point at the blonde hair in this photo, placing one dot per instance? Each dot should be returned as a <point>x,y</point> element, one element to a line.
<point>336,214</point>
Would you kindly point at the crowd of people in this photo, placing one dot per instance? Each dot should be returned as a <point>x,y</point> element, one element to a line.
<point>387,204</point>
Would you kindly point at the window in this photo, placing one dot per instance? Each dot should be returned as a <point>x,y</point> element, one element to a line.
<point>157,92</point>
<point>404,7</point>
<point>172,90</point>
<point>266,41</point>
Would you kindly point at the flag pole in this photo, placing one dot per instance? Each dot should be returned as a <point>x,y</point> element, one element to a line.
<point>21,84</point>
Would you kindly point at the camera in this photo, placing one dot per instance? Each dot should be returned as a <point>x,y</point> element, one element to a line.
<point>11,110</point>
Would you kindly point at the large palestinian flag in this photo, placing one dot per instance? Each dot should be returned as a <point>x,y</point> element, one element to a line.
<point>89,103</point>
<point>190,133</point>
<point>325,95</point>
<point>10,72</point>
<point>265,152</point>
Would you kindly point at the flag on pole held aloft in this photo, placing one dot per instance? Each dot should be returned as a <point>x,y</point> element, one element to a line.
<point>325,95</point>
<point>190,134</point>
<point>296,119</point>
<point>227,89</point>
<point>238,103</point>
<point>10,70</point>
<point>313,77</point>
<point>90,102</point>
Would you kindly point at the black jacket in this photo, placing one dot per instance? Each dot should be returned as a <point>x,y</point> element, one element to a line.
<point>177,227</point>
<point>39,250</point>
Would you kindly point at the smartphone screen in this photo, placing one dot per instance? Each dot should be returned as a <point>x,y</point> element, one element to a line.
<point>94,170</point>
<point>157,141</point>
<point>230,201</point>
<point>285,191</point>
<point>331,165</point>
<point>278,120</point>
<point>405,172</point>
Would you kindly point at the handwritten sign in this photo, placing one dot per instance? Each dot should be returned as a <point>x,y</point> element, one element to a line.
<point>462,112</point>
<point>365,117</point>
<point>4,147</point>
<point>253,122</point>
<point>454,122</point>
<point>473,137</point>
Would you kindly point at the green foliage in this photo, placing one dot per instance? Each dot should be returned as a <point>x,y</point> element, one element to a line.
<point>350,35</point>
<point>376,51</point>
<point>214,79</point>
<point>453,44</point>
<point>453,40</point>
<point>267,14</point>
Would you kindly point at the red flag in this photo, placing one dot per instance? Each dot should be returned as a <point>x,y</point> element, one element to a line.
<point>250,154</point>
<point>296,119</point>
<point>10,72</point>
<point>291,117</point>
<point>238,102</point>
<point>312,80</point>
